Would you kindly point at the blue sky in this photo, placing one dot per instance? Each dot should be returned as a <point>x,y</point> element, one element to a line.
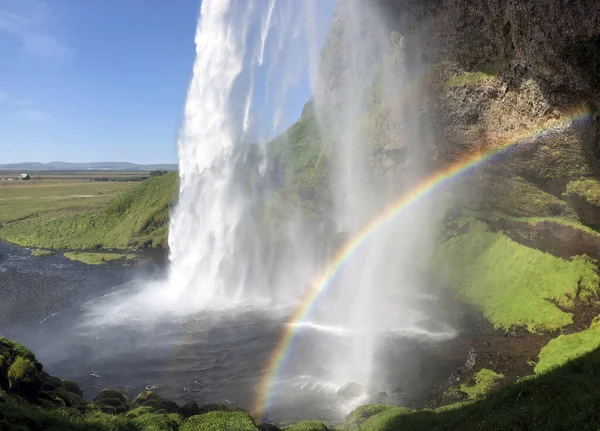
<point>97,80</point>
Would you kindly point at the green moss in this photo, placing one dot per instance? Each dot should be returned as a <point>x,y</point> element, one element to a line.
<point>512,196</point>
<point>587,189</point>
<point>41,253</point>
<point>512,284</point>
<point>383,419</point>
<point>219,421</point>
<point>72,387</point>
<point>307,426</point>
<point>564,348</point>
<point>18,348</point>
<point>484,380</point>
<point>98,258</point>
<point>22,370</point>
<point>138,411</point>
<point>362,413</point>
<point>156,422</point>
<point>358,416</point>
<point>107,422</point>
<point>468,79</point>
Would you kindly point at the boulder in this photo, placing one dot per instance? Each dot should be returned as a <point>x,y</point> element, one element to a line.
<point>190,409</point>
<point>72,387</point>
<point>115,398</point>
<point>151,399</point>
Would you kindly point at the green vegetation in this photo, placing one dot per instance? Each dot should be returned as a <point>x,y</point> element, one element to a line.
<point>41,253</point>
<point>23,199</point>
<point>468,79</point>
<point>587,189</point>
<point>218,421</point>
<point>479,386</point>
<point>563,397</point>
<point>512,196</point>
<point>512,284</point>
<point>359,415</point>
<point>138,217</point>
<point>307,426</point>
<point>564,348</point>
<point>98,258</point>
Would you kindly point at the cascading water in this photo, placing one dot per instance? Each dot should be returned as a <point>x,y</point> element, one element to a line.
<point>236,241</point>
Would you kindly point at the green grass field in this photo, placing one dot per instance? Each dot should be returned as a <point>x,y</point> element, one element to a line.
<point>20,199</point>
<point>82,215</point>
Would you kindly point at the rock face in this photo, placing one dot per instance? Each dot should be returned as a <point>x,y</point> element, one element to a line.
<point>481,75</point>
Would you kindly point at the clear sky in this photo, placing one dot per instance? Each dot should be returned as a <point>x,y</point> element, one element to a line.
<point>95,80</point>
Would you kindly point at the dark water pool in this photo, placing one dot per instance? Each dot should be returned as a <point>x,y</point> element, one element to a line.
<point>214,356</point>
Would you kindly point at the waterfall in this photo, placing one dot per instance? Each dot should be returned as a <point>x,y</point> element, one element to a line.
<point>250,57</point>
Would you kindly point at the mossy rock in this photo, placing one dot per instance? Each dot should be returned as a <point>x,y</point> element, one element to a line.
<point>50,383</point>
<point>158,422</point>
<point>24,378</point>
<point>151,399</point>
<point>308,426</point>
<point>62,396</point>
<point>512,195</point>
<point>72,387</point>
<point>190,409</point>
<point>139,411</point>
<point>218,407</point>
<point>116,398</point>
<point>362,413</point>
<point>93,407</point>
<point>119,394</point>
<point>219,421</point>
<point>18,349</point>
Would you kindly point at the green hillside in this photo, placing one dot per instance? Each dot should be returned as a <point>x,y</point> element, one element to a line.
<point>137,217</point>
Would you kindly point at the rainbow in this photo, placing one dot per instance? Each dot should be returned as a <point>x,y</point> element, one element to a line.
<point>426,187</point>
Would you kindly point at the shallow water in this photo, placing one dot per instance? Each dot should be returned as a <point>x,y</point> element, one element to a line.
<point>213,356</point>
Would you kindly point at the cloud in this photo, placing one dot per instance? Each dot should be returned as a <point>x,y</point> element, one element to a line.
<point>34,114</point>
<point>29,22</point>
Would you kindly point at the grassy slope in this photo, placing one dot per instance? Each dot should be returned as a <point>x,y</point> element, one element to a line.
<point>564,348</point>
<point>509,282</point>
<point>136,217</point>
<point>565,398</point>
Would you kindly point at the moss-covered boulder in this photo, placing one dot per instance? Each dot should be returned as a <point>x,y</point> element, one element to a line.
<point>158,422</point>
<point>72,387</point>
<point>115,398</point>
<point>362,413</point>
<point>24,378</point>
<point>151,399</point>
<point>190,409</point>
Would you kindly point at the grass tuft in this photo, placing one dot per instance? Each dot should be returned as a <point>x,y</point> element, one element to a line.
<point>482,383</point>
<point>468,79</point>
<point>93,258</point>
<point>41,253</point>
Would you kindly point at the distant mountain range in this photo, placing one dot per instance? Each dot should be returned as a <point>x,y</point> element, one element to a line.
<point>96,166</point>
